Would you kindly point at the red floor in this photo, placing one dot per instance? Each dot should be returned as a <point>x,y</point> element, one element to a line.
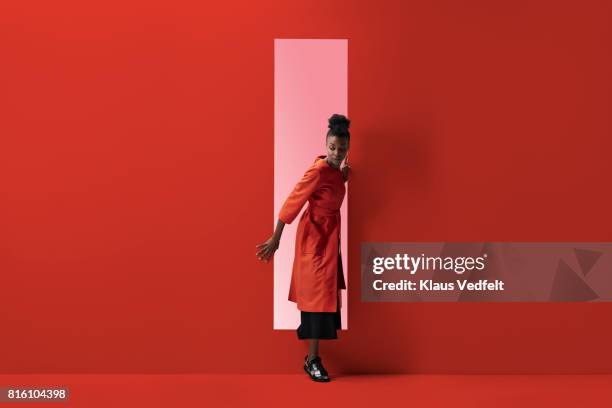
<point>93,390</point>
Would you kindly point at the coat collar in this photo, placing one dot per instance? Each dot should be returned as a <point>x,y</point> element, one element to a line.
<point>324,162</point>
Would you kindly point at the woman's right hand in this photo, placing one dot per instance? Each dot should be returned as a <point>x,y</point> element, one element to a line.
<point>267,249</point>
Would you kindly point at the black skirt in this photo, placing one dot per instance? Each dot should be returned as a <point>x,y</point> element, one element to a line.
<point>321,325</point>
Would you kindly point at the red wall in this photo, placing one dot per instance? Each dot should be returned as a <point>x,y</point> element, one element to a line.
<point>136,164</point>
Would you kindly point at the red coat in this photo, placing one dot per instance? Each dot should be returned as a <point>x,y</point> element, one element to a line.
<point>317,267</point>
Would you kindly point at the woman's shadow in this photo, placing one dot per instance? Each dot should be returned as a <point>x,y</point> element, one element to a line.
<point>391,178</point>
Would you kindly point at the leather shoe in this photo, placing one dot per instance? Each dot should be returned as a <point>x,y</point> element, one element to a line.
<point>315,369</point>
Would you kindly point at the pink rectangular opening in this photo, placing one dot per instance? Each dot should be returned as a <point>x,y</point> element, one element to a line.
<point>310,84</point>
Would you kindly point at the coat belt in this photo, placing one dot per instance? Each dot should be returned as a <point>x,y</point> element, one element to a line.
<point>318,210</point>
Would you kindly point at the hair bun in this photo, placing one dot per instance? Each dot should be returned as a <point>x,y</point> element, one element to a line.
<point>338,123</point>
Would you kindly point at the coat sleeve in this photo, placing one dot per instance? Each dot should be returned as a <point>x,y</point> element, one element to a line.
<point>300,194</point>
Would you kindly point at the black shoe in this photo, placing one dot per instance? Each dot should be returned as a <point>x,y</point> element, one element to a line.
<point>315,369</point>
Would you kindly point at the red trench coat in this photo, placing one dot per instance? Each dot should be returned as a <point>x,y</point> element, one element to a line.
<point>317,273</point>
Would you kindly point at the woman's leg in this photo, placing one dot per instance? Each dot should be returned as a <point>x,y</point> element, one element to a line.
<point>313,348</point>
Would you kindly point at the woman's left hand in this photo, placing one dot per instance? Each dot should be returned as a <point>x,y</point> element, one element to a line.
<point>345,171</point>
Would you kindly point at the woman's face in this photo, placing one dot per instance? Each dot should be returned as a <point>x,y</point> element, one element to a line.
<point>337,148</point>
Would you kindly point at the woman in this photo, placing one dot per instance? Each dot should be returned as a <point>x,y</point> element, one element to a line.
<point>317,277</point>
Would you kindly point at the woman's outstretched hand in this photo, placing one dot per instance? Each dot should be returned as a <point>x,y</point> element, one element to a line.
<point>267,249</point>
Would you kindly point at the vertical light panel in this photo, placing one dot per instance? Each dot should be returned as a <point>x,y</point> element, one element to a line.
<point>310,84</point>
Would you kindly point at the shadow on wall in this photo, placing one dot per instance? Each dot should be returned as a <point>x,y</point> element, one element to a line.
<point>392,181</point>
<point>394,174</point>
